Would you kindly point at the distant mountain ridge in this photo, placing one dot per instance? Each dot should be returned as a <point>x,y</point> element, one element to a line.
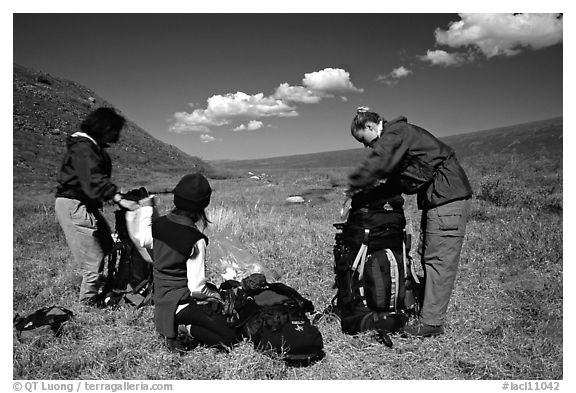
<point>542,137</point>
<point>48,109</point>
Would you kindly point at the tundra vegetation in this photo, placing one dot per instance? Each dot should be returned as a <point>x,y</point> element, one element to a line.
<point>504,321</point>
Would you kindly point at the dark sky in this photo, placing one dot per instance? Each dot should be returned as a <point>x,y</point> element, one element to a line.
<point>209,83</point>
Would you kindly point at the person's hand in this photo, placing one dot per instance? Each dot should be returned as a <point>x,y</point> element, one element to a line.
<point>345,208</point>
<point>117,197</point>
<point>124,203</point>
<point>128,205</point>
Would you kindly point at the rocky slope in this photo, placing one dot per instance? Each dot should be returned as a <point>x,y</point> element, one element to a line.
<point>47,109</point>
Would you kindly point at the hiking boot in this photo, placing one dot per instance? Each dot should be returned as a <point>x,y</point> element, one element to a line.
<point>189,343</point>
<point>423,330</point>
<point>174,345</point>
<point>94,302</point>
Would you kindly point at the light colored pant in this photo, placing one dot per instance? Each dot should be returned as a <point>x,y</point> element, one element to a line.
<point>89,238</point>
<point>443,230</point>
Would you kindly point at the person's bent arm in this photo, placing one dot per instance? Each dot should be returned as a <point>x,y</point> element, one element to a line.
<point>382,161</point>
<point>196,273</point>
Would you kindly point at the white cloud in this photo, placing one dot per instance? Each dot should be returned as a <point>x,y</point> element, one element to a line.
<point>386,80</point>
<point>391,79</point>
<point>238,107</point>
<point>206,138</point>
<point>297,94</point>
<point>503,34</point>
<point>251,126</point>
<point>185,122</point>
<point>330,80</point>
<point>223,109</point>
<point>400,72</point>
<point>317,86</point>
<point>198,117</point>
<point>443,58</point>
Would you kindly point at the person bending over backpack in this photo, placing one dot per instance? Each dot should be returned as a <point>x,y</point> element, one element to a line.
<point>182,295</point>
<point>83,184</point>
<point>422,165</point>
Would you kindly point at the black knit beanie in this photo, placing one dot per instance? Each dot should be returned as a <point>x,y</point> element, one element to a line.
<point>192,192</point>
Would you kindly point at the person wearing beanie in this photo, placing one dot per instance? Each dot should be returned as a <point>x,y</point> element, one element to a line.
<point>408,155</point>
<point>192,193</point>
<point>182,296</point>
<point>84,183</point>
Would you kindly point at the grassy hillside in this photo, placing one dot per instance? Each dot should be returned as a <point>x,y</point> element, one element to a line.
<point>543,136</point>
<point>48,109</point>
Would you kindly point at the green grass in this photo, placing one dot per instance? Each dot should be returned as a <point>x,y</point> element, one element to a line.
<point>504,320</point>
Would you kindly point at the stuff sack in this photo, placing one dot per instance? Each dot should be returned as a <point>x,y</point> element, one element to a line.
<point>273,316</point>
<point>52,317</point>
<point>128,268</point>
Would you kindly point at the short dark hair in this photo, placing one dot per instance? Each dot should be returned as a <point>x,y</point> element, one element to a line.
<point>361,118</point>
<point>102,121</point>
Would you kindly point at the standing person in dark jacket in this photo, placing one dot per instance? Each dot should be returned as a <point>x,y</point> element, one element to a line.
<point>83,184</point>
<point>421,164</point>
<point>182,295</point>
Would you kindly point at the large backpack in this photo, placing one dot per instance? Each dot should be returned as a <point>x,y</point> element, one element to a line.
<point>376,285</point>
<point>127,274</point>
<point>274,317</point>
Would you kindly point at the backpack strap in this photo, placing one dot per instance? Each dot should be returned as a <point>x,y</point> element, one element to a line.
<point>53,316</point>
<point>404,260</point>
<point>360,261</point>
<point>394,279</point>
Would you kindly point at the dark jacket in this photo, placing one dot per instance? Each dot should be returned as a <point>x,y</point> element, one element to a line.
<point>85,172</point>
<point>419,162</point>
<point>174,239</point>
